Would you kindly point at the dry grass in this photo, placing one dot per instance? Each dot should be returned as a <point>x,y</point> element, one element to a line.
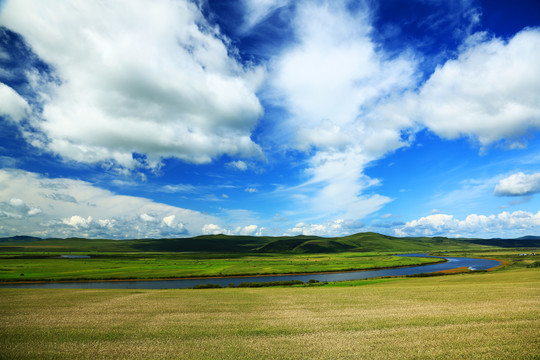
<point>480,316</point>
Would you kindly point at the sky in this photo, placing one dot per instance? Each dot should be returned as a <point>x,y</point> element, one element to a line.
<point>175,118</point>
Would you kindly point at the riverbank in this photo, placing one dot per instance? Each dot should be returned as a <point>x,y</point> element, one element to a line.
<point>149,266</point>
<point>262,276</point>
<point>231,281</point>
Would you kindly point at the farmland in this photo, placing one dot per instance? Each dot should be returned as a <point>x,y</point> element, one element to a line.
<point>481,316</point>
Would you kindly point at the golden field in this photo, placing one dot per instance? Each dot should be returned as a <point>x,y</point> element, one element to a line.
<point>468,316</point>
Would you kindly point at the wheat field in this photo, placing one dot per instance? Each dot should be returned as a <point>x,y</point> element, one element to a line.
<point>471,316</point>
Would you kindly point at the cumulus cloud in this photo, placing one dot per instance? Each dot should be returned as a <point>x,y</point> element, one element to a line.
<point>248,230</point>
<point>333,75</point>
<point>151,78</point>
<point>35,205</point>
<point>132,226</point>
<point>330,81</point>
<point>238,165</point>
<point>17,209</point>
<point>505,223</point>
<point>337,227</point>
<point>519,184</point>
<point>490,92</point>
<point>213,229</point>
<point>77,221</point>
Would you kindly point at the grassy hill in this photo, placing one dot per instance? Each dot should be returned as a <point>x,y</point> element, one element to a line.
<point>361,242</point>
<point>370,241</point>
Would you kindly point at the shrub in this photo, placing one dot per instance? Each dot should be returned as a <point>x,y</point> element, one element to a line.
<point>207,286</point>
<point>270,283</point>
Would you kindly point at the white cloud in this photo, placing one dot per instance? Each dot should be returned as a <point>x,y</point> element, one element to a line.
<point>147,218</point>
<point>251,190</point>
<point>152,78</point>
<point>331,81</point>
<point>339,227</point>
<point>519,184</point>
<point>213,229</point>
<point>337,184</point>
<point>12,104</point>
<point>34,205</point>
<point>78,222</point>
<point>169,220</point>
<point>490,92</point>
<point>503,224</point>
<point>247,230</point>
<point>239,165</point>
<point>17,209</point>
<point>431,225</point>
<point>16,202</point>
<point>333,75</point>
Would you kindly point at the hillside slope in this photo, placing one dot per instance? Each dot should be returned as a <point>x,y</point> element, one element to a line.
<point>361,242</point>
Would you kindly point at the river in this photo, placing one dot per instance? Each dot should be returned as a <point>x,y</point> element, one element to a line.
<point>451,263</point>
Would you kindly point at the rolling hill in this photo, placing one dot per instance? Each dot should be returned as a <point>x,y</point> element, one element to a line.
<point>361,242</point>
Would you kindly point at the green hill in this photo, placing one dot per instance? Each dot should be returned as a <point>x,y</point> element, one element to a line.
<point>369,241</point>
<point>361,242</point>
<point>286,244</point>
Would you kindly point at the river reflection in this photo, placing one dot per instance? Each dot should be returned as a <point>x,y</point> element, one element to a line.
<point>451,263</point>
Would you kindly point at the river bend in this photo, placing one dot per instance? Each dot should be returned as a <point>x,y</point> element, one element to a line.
<point>451,263</point>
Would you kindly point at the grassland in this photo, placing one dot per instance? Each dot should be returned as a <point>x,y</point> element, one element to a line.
<point>470,316</point>
<point>33,259</point>
<point>16,266</point>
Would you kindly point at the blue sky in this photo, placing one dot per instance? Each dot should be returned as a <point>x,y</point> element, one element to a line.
<point>134,119</point>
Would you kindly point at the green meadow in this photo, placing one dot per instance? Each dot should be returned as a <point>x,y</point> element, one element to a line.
<point>33,259</point>
<point>47,266</point>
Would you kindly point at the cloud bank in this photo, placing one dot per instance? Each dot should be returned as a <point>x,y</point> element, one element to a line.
<point>500,225</point>
<point>149,78</point>
<point>34,205</point>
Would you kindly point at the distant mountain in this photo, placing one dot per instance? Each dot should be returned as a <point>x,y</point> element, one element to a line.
<point>522,242</point>
<point>529,237</point>
<point>19,238</point>
<point>361,242</point>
